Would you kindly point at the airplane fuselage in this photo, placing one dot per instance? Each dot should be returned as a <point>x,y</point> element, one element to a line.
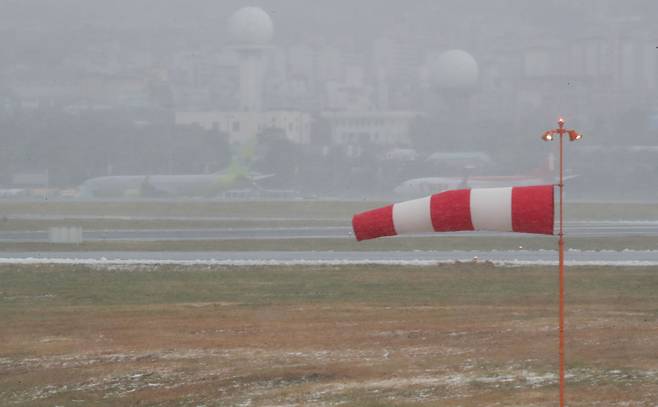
<point>419,187</point>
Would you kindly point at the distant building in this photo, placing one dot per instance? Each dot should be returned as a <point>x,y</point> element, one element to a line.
<point>251,29</point>
<point>31,179</point>
<point>244,126</point>
<point>392,128</point>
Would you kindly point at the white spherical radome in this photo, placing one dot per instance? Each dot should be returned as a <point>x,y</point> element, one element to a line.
<point>455,69</point>
<point>251,26</point>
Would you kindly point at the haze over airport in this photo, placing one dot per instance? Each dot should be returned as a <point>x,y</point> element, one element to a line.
<point>324,99</point>
<point>328,203</point>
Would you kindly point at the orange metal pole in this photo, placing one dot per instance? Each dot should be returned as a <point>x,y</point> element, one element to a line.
<point>561,249</point>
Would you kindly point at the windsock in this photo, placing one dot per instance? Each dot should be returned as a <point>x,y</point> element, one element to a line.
<point>514,209</point>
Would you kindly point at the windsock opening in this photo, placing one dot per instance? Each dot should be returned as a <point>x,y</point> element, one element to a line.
<point>374,223</point>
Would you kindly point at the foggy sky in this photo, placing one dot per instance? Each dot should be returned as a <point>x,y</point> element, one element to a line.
<point>46,42</point>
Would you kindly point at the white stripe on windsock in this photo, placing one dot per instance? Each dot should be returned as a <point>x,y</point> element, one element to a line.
<point>413,216</point>
<point>491,209</point>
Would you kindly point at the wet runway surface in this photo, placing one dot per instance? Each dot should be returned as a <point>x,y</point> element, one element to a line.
<point>575,229</point>
<point>426,258</point>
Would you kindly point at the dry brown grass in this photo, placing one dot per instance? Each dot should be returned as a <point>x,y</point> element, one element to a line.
<point>464,335</point>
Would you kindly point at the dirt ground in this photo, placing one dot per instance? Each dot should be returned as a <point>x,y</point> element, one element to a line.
<point>451,335</point>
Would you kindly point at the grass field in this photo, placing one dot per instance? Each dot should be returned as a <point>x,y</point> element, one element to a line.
<point>189,223</point>
<point>449,335</point>
<point>191,208</point>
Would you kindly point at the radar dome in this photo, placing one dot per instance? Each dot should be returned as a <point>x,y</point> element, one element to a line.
<point>455,69</point>
<point>251,26</point>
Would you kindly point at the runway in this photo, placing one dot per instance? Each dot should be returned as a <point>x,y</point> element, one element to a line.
<point>574,229</point>
<point>278,258</point>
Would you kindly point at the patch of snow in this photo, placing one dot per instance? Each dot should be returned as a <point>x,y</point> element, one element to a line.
<point>103,261</point>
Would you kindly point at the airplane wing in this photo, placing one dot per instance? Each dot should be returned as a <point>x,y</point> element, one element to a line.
<point>259,177</point>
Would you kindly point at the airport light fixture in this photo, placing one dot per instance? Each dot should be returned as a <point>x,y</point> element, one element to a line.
<point>573,136</point>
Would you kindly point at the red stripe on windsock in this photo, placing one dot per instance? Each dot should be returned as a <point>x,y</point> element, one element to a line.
<point>532,209</point>
<point>451,211</point>
<point>374,223</point>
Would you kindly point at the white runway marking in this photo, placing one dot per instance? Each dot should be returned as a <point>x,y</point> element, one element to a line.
<point>413,258</point>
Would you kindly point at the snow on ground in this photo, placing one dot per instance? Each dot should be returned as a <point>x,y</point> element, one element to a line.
<point>101,261</point>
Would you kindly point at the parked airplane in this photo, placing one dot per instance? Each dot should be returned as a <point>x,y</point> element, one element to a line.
<point>193,185</point>
<point>13,193</point>
<point>419,187</point>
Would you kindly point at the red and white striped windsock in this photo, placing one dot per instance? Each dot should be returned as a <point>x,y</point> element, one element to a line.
<point>513,209</point>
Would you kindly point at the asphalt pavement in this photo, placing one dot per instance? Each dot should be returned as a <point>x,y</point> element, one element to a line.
<point>573,229</point>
